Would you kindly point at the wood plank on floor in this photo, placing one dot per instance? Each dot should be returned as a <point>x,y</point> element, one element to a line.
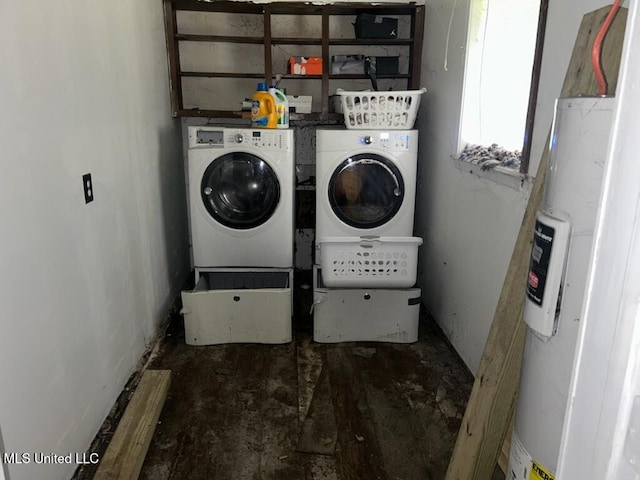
<point>310,360</point>
<point>126,452</point>
<point>319,433</point>
<point>280,424</point>
<point>358,456</point>
<point>399,433</point>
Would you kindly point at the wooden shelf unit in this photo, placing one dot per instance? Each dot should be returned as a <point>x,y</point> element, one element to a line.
<point>414,11</point>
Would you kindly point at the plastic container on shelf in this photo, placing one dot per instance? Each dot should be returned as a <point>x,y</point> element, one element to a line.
<point>282,107</point>
<point>355,262</point>
<point>300,103</point>
<point>380,110</point>
<point>263,108</point>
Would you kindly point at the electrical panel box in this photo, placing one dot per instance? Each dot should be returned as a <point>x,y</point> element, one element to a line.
<point>546,273</point>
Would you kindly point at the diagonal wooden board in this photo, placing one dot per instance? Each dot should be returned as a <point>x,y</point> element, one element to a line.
<point>126,452</point>
<point>492,401</point>
<point>319,433</point>
<point>359,456</point>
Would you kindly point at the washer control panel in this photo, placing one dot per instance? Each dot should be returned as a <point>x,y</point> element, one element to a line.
<point>209,137</point>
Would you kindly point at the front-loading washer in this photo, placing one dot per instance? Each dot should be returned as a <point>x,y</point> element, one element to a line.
<point>365,182</point>
<point>241,196</point>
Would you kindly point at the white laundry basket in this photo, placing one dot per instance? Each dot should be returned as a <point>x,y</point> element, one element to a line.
<point>382,262</point>
<point>380,110</point>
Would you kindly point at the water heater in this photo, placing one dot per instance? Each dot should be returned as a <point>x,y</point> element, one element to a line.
<point>561,248</point>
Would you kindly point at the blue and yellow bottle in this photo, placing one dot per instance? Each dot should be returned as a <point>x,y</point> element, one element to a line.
<point>263,109</point>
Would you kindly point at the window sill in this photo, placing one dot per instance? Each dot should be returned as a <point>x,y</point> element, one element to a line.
<point>500,175</point>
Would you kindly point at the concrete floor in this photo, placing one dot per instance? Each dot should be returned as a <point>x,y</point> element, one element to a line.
<point>308,411</point>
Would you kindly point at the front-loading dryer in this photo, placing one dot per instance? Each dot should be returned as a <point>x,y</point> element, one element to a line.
<point>241,196</point>
<point>365,182</point>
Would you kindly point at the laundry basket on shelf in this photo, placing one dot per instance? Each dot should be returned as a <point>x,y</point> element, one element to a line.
<point>380,110</point>
<point>382,262</point>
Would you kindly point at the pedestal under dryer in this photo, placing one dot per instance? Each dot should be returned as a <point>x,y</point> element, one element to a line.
<point>364,314</point>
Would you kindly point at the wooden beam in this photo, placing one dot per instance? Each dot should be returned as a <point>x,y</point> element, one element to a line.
<point>125,454</point>
<point>326,67</point>
<point>535,83</point>
<point>319,432</point>
<point>268,60</point>
<point>503,459</point>
<point>359,456</point>
<point>173,55</point>
<point>415,49</point>
<point>580,79</point>
<point>492,401</point>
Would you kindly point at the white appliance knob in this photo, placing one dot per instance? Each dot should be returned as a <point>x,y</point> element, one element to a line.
<point>239,138</point>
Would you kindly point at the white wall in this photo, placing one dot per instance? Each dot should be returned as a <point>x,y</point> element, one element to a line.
<point>3,467</point>
<point>469,224</point>
<point>83,287</point>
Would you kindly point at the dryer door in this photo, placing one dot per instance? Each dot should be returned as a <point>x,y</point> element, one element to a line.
<point>366,190</point>
<point>240,190</point>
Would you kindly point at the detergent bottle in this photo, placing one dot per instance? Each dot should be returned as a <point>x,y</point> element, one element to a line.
<point>282,107</point>
<point>263,108</point>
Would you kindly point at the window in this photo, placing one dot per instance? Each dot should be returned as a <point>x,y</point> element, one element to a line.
<point>504,48</point>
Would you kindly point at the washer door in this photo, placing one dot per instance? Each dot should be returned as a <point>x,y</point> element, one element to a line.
<point>240,190</point>
<point>366,191</point>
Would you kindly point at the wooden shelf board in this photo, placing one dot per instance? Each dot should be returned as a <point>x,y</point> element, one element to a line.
<point>371,41</point>
<point>295,41</point>
<point>293,8</point>
<point>315,116</point>
<point>187,37</point>
<point>220,75</point>
<point>364,77</point>
<point>218,6</point>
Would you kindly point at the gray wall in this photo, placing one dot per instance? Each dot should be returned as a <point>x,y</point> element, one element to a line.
<point>84,287</point>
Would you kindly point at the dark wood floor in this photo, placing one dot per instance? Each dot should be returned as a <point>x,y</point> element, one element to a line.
<point>355,411</point>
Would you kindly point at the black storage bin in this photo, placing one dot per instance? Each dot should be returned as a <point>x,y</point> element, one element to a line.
<point>373,26</point>
<point>386,65</point>
<point>355,65</point>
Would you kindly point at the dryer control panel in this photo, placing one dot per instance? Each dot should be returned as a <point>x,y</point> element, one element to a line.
<point>267,139</point>
<point>397,141</point>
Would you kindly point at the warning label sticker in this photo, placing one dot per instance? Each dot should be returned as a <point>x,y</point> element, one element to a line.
<point>539,262</point>
<point>538,472</point>
<point>521,465</point>
<point>519,460</point>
